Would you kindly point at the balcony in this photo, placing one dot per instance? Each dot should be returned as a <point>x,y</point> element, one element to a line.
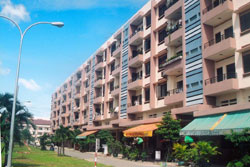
<point>219,85</point>
<point>97,117</point>
<point>174,96</point>
<point>116,71</point>
<point>172,7</point>
<point>136,37</point>
<point>76,122</point>
<point>173,65</point>
<point>99,65</point>
<point>174,37</point>
<point>135,60</point>
<point>115,91</point>
<point>98,99</point>
<point>117,51</point>
<point>222,109</point>
<point>134,108</point>
<point>219,49</point>
<point>135,83</point>
<point>99,82</point>
<point>218,13</point>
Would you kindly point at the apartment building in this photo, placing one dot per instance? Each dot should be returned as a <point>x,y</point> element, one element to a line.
<point>187,57</point>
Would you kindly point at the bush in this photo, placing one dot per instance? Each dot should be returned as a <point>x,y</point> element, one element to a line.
<point>245,161</point>
<point>144,156</point>
<point>199,153</point>
<point>115,148</point>
<point>134,154</point>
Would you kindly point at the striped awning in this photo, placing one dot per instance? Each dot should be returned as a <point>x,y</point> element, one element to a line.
<point>141,130</point>
<point>220,124</point>
<point>85,134</point>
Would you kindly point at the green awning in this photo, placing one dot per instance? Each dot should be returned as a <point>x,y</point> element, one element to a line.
<point>220,124</point>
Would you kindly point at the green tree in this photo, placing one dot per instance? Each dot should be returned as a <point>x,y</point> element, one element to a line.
<point>23,117</point>
<point>27,137</point>
<point>241,143</point>
<point>44,140</point>
<point>73,136</point>
<point>62,134</point>
<point>169,129</point>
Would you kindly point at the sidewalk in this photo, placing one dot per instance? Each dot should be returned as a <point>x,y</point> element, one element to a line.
<point>107,160</point>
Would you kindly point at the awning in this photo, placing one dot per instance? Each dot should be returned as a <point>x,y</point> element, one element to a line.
<point>218,124</point>
<point>85,134</point>
<point>141,131</point>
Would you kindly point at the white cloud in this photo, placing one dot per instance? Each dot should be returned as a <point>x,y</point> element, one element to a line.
<point>16,12</point>
<point>29,84</point>
<point>4,71</point>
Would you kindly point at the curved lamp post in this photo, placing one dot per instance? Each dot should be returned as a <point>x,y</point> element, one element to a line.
<point>57,24</point>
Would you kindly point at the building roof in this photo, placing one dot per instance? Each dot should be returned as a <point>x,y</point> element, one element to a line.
<point>41,122</point>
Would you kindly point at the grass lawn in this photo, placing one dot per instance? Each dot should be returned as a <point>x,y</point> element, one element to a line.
<point>22,157</point>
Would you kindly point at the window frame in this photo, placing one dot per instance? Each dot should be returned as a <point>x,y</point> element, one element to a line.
<point>243,32</point>
<point>244,54</point>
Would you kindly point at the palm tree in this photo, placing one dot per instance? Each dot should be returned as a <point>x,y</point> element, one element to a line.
<point>23,117</point>
<point>62,134</point>
<point>73,136</point>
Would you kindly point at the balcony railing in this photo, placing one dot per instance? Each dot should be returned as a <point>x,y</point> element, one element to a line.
<point>99,78</point>
<point>213,5</point>
<point>135,103</point>
<point>136,31</point>
<point>98,95</point>
<point>135,53</point>
<point>174,91</point>
<point>171,3</point>
<point>135,79</point>
<point>174,28</point>
<point>171,59</point>
<point>220,78</point>
<point>113,69</point>
<point>218,40</point>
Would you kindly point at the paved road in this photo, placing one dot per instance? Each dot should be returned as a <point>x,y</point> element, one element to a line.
<point>115,162</point>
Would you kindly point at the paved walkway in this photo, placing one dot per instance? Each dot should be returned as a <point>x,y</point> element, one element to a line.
<point>107,160</point>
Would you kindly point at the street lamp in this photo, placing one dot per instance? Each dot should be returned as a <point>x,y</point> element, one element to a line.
<point>57,24</point>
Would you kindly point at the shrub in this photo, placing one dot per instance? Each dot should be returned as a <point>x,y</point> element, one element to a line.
<point>134,154</point>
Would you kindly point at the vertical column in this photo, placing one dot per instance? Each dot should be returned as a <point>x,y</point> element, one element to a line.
<point>72,101</point>
<point>193,44</point>
<point>92,91</point>
<point>124,72</point>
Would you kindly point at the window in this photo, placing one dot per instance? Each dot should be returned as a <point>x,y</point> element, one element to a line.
<point>147,95</point>
<point>246,60</point>
<point>147,68</point>
<point>162,60</point>
<point>148,21</point>
<point>218,37</point>
<point>244,21</point>
<point>161,35</point>
<point>40,128</point>
<point>162,90</point>
<point>147,44</point>
<point>162,9</point>
<point>228,32</point>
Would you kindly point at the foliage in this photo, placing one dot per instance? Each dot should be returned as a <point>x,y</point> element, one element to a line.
<point>181,152</point>
<point>169,129</point>
<point>202,152</point>
<point>62,134</point>
<point>44,140</point>
<point>87,144</point>
<point>199,153</point>
<point>144,155</point>
<point>116,147</point>
<point>245,161</point>
<point>23,116</point>
<point>26,136</point>
<point>134,154</point>
<point>105,136</point>
<point>241,141</point>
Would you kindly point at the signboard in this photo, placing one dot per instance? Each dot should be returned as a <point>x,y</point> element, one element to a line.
<point>97,144</point>
<point>139,134</point>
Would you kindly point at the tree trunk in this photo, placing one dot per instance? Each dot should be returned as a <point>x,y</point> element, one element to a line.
<point>6,154</point>
<point>63,147</point>
<point>58,150</point>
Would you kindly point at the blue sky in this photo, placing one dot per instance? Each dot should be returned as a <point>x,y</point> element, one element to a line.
<point>51,54</point>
